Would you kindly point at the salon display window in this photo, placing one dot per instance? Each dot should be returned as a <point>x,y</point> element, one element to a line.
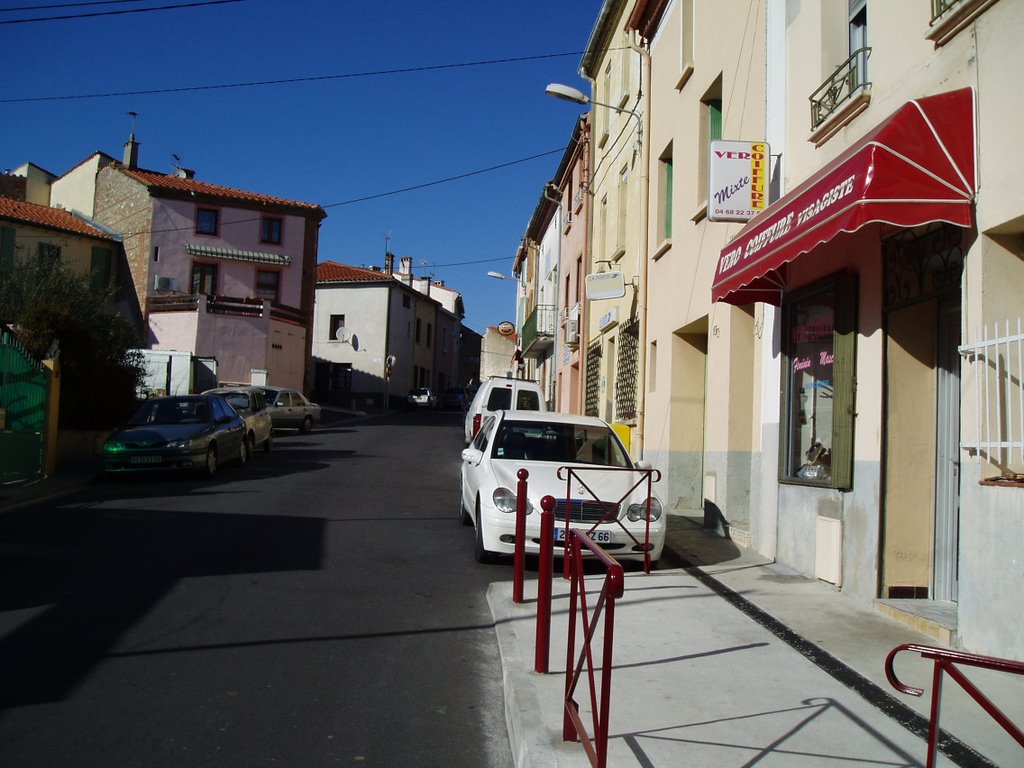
<point>818,384</point>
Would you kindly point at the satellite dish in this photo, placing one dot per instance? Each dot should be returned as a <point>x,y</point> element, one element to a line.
<point>392,360</point>
<point>341,334</point>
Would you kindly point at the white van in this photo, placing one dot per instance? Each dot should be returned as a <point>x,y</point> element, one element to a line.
<point>499,393</point>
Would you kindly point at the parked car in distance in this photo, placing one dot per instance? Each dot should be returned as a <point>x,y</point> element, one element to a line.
<point>456,399</point>
<point>421,397</point>
<point>186,432</point>
<point>608,499</point>
<point>251,405</point>
<point>502,394</point>
<point>289,408</point>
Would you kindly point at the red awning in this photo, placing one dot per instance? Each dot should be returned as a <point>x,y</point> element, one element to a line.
<point>917,167</point>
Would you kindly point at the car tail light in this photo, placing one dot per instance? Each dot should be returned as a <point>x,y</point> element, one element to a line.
<point>476,423</point>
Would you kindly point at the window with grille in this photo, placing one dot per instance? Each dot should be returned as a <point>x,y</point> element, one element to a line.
<point>592,394</point>
<point>627,370</point>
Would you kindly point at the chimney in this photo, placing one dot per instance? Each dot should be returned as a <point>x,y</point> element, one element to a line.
<point>131,152</point>
<point>389,262</point>
<point>406,268</point>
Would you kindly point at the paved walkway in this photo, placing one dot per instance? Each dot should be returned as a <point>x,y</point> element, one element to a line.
<point>731,660</point>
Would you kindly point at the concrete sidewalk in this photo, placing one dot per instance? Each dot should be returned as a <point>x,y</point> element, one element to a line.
<point>734,661</point>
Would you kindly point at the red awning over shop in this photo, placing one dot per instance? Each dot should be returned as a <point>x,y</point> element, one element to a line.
<point>917,167</point>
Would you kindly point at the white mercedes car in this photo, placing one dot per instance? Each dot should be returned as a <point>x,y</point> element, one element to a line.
<point>574,458</point>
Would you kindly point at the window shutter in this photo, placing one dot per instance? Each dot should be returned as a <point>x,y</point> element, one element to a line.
<point>845,384</point>
<point>714,120</point>
<point>100,268</point>
<point>6,248</point>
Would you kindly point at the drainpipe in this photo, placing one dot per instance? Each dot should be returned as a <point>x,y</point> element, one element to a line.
<point>639,45</point>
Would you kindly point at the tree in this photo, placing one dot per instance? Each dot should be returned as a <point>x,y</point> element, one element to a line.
<point>57,312</point>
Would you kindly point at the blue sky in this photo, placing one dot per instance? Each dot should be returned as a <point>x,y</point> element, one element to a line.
<point>332,141</point>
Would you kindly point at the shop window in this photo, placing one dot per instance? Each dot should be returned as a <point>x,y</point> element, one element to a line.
<point>818,386</point>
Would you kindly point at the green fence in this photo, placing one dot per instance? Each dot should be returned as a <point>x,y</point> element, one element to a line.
<point>23,393</point>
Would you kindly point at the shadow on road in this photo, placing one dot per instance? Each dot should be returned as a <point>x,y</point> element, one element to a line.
<point>98,572</point>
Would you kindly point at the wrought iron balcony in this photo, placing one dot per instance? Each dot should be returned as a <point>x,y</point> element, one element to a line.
<point>845,82</point>
<point>539,330</point>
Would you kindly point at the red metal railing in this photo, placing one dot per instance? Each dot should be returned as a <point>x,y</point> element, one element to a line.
<point>573,727</point>
<point>648,476</point>
<point>946,663</point>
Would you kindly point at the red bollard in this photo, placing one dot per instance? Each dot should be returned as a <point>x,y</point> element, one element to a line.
<point>544,568</point>
<point>520,553</point>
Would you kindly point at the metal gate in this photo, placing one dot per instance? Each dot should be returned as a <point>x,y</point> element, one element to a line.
<point>23,393</point>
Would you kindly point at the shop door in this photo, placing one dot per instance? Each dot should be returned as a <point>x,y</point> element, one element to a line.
<point>947,455</point>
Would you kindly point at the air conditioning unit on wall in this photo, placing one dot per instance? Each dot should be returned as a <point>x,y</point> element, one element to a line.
<point>165,283</point>
<point>572,332</point>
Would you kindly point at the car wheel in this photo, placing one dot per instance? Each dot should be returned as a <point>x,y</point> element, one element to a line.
<point>245,451</point>
<point>464,517</point>
<point>268,441</point>
<point>307,424</point>
<point>210,468</point>
<point>480,554</point>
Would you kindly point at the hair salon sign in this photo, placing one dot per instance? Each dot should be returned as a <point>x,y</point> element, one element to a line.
<point>738,176</point>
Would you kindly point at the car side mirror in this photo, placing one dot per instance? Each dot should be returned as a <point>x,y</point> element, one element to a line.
<point>472,455</point>
<point>644,465</point>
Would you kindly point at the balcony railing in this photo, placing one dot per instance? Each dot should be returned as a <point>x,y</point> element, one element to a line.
<point>225,305</point>
<point>539,329</point>
<point>847,80</point>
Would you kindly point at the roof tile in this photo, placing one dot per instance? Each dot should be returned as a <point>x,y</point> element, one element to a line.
<point>333,272</point>
<point>171,183</point>
<point>45,216</point>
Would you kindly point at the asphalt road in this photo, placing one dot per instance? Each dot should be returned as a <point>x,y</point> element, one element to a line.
<point>318,606</point>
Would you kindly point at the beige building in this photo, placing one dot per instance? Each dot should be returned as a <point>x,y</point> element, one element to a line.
<point>822,355</point>
<point>819,381</point>
<point>617,67</point>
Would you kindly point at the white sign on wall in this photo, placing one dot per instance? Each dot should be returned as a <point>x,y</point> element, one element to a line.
<point>605,285</point>
<point>738,180</point>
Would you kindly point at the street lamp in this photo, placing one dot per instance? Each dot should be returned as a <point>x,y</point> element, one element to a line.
<point>497,275</point>
<point>576,96</point>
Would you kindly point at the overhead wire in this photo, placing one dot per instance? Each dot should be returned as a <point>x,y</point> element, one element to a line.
<point>95,14</point>
<point>291,80</point>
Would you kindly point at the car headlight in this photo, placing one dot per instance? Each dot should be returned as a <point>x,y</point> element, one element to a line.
<point>636,512</point>
<point>179,444</point>
<point>505,501</point>
<point>113,446</point>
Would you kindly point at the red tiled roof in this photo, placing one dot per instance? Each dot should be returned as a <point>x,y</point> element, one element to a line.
<point>45,216</point>
<point>169,183</point>
<point>333,272</point>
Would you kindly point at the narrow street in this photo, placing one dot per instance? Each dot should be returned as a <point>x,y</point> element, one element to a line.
<point>318,606</point>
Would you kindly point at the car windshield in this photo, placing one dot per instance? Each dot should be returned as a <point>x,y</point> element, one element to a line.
<point>561,443</point>
<point>172,411</point>
<point>239,400</point>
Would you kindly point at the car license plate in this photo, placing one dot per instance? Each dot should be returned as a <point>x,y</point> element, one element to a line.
<point>145,459</point>
<point>598,537</point>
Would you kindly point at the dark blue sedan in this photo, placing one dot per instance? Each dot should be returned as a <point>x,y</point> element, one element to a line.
<point>190,432</point>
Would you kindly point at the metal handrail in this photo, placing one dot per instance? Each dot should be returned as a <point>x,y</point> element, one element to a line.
<point>945,663</point>
<point>573,728</point>
<point>651,476</point>
<point>840,86</point>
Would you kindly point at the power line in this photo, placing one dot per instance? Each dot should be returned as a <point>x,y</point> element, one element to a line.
<point>444,181</point>
<point>291,80</point>
<point>116,13</point>
<point>65,5</point>
<point>366,198</point>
